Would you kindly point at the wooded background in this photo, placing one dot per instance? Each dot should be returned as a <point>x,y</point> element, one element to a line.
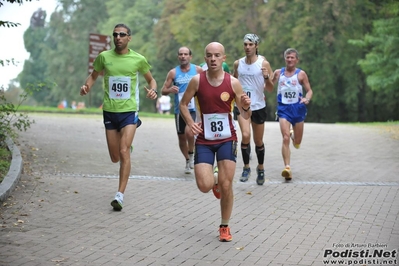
<point>349,48</point>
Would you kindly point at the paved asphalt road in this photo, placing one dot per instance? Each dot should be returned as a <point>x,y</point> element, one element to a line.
<point>343,201</point>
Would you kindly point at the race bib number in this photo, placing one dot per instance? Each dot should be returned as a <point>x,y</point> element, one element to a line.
<point>119,87</point>
<point>216,126</point>
<point>289,96</point>
<point>247,90</point>
<point>191,104</point>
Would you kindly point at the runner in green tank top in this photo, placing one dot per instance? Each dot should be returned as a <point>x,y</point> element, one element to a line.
<point>121,68</point>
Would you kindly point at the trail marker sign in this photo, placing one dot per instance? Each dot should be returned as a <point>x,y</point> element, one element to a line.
<point>97,44</point>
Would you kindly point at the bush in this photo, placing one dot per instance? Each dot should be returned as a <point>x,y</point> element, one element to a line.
<point>10,122</point>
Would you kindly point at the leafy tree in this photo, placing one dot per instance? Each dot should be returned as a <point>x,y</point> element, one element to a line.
<point>10,120</point>
<point>166,43</point>
<point>35,67</point>
<point>196,23</point>
<point>10,24</point>
<point>67,49</point>
<point>381,63</point>
<point>140,16</point>
<point>320,32</point>
<point>347,84</point>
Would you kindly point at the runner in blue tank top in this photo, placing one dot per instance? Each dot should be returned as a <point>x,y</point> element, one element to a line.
<point>291,105</point>
<point>176,83</point>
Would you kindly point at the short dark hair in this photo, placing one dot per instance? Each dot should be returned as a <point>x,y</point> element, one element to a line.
<point>189,50</point>
<point>121,25</point>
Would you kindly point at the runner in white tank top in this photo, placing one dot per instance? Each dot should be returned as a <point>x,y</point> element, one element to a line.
<point>252,81</point>
<point>254,73</point>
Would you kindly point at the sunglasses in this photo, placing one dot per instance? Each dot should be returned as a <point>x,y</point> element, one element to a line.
<point>122,34</point>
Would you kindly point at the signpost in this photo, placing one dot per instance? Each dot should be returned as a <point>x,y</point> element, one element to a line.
<point>97,44</point>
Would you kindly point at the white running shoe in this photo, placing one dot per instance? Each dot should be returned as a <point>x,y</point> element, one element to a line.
<point>187,170</point>
<point>292,134</point>
<point>216,174</point>
<point>191,160</point>
<point>117,203</point>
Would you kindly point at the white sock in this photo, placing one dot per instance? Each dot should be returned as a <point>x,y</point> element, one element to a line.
<point>119,195</point>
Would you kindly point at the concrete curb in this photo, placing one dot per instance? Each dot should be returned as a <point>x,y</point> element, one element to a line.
<point>11,179</point>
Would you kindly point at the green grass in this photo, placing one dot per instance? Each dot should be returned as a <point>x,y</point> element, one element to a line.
<point>390,127</point>
<point>388,123</point>
<point>33,109</point>
<point>5,160</point>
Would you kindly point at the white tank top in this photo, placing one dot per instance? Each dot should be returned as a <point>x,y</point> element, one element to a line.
<point>252,81</point>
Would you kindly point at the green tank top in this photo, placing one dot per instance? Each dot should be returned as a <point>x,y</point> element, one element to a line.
<point>121,84</point>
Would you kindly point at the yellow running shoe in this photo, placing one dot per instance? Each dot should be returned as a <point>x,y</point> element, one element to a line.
<point>296,146</point>
<point>287,174</point>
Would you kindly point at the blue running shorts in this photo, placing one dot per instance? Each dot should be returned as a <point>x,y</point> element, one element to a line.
<point>223,151</point>
<point>120,120</point>
<point>294,113</point>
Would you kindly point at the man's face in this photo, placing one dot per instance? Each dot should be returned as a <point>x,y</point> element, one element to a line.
<point>291,60</point>
<point>121,38</point>
<point>215,56</point>
<point>250,48</point>
<point>184,56</point>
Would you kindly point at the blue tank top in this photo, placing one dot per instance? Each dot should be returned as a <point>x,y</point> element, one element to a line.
<point>289,90</point>
<point>181,80</point>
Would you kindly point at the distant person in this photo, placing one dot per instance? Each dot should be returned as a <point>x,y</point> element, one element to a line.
<point>216,91</point>
<point>254,73</point>
<point>61,105</point>
<point>120,103</point>
<point>225,67</point>
<point>176,83</point>
<point>73,105</point>
<point>164,104</point>
<point>291,105</point>
<point>81,105</point>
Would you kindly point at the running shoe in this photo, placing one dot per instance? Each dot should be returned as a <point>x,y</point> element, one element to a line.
<point>215,174</point>
<point>296,146</point>
<point>187,170</point>
<point>191,160</point>
<point>260,179</point>
<point>117,202</point>
<point>246,172</point>
<point>224,234</point>
<point>215,188</point>
<point>287,174</point>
